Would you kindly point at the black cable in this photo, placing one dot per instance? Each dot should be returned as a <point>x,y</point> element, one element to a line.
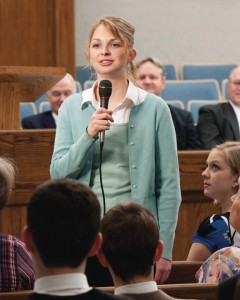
<point>100,170</point>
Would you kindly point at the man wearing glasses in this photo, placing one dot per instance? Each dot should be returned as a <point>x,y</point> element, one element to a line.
<point>221,122</point>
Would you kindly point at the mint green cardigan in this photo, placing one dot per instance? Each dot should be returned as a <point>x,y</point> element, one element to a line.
<point>153,161</point>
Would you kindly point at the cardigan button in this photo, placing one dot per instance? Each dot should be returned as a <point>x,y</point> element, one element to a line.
<point>134,186</point>
<point>132,143</point>
<point>131,126</point>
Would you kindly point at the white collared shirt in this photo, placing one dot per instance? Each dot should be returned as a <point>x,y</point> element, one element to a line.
<point>54,117</point>
<point>137,288</point>
<point>62,285</point>
<point>237,112</point>
<point>134,96</point>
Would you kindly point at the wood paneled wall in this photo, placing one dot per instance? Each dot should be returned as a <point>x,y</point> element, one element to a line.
<point>37,33</point>
<point>32,151</point>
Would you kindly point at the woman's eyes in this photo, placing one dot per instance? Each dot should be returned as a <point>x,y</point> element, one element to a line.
<point>114,45</point>
<point>95,45</point>
<point>215,167</point>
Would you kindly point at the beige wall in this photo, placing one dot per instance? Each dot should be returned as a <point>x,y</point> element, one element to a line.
<point>175,31</point>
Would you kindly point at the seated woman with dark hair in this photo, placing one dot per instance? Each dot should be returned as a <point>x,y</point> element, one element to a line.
<point>16,272</point>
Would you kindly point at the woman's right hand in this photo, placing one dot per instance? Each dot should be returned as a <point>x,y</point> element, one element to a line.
<point>100,121</point>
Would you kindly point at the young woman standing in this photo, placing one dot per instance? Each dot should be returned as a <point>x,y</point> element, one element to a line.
<point>139,159</point>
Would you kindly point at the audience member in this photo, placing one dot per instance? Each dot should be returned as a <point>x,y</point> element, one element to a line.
<point>229,289</point>
<point>138,145</point>
<point>63,218</point>
<point>220,183</point>
<point>221,122</point>
<point>16,271</point>
<point>130,248</point>
<point>55,96</point>
<point>151,77</point>
<point>224,263</point>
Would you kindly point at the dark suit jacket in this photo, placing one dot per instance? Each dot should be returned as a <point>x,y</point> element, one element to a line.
<point>91,295</point>
<point>187,136</point>
<point>217,123</point>
<point>226,288</point>
<point>156,295</point>
<point>42,120</point>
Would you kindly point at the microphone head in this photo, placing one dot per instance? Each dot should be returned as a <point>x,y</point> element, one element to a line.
<point>105,91</point>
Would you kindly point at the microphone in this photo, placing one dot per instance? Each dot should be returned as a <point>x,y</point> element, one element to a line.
<point>105,91</point>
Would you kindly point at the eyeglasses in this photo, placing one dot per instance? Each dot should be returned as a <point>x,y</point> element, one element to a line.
<point>235,82</point>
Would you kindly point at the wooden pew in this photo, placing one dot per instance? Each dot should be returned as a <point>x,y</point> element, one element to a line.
<point>183,291</point>
<point>191,290</point>
<point>183,272</point>
<point>15,295</point>
<point>32,150</point>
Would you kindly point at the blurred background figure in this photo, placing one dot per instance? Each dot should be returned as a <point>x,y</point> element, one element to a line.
<point>55,96</point>
<point>16,271</point>
<point>151,77</point>
<point>221,122</point>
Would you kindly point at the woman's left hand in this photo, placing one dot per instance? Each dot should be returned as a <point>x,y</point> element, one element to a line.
<point>163,268</point>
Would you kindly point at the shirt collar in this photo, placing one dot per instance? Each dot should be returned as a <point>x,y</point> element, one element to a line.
<point>55,116</point>
<point>64,284</point>
<point>132,95</point>
<point>137,288</point>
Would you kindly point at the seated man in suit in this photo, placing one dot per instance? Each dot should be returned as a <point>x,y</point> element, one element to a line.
<point>221,122</point>
<point>63,218</point>
<point>151,77</point>
<point>55,96</point>
<point>130,248</point>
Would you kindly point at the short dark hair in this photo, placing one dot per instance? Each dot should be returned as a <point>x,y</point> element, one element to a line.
<point>63,217</point>
<point>130,237</point>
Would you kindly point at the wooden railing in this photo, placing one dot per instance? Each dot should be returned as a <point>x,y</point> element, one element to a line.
<point>183,291</point>
<point>32,150</point>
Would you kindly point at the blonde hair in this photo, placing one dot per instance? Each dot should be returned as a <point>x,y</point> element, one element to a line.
<point>231,153</point>
<point>120,28</point>
<point>7,180</point>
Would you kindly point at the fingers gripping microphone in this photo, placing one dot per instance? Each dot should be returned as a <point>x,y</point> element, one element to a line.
<point>105,91</point>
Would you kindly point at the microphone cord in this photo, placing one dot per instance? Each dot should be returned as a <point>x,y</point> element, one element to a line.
<point>100,171</point>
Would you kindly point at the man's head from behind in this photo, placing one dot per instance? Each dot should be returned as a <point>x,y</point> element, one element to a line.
<point>63,218</point>
<point>151,76</point>
<point>234,86</point>
<point>60,91</point>
<point>130,241</point>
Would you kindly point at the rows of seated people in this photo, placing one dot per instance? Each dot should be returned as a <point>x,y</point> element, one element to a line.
<point>200,108</point>
<point>44,238</point>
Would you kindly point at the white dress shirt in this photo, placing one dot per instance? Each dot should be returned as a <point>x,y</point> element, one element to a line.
<point>137,288</point>
<point>237,112</point>
<point>62,285</point>
<point>134,96</point>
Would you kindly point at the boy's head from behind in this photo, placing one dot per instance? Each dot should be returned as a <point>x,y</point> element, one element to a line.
<point>63,218</point>
<point>130,241</point>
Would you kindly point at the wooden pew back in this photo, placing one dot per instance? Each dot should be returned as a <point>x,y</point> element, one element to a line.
<point>32,150</point>
<point>183,272</point>
<point>183,291</point>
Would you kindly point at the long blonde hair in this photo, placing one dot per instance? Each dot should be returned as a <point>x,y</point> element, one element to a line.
<point>123,30</point>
